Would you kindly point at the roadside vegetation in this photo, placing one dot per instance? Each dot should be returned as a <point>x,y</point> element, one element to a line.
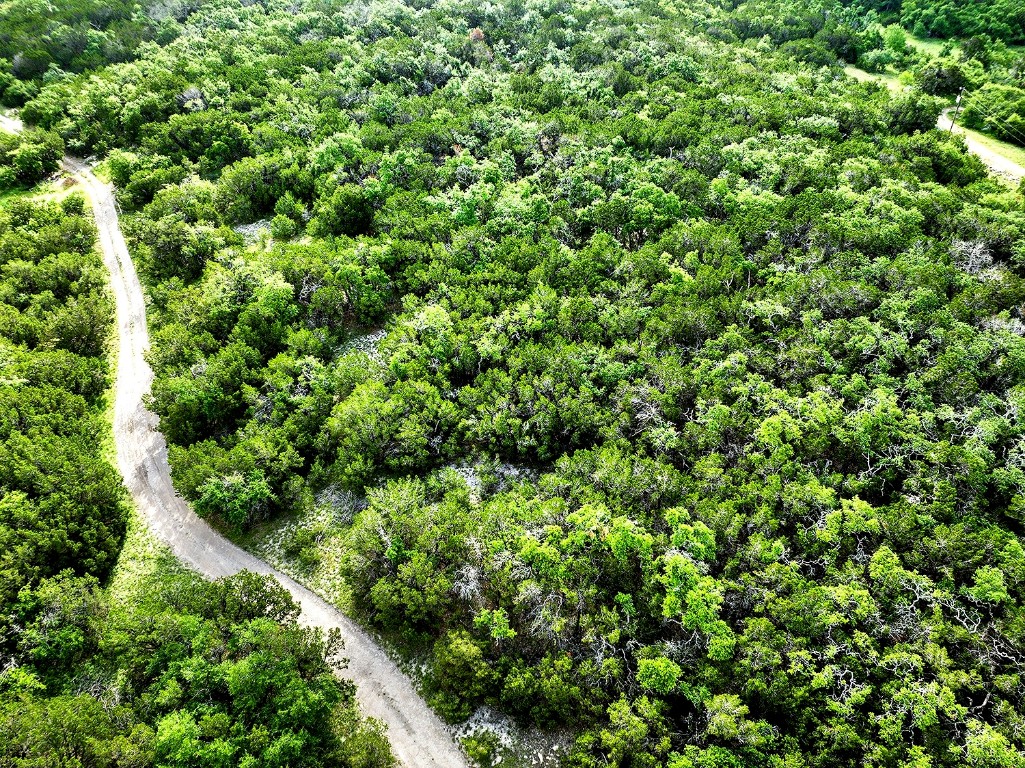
<point>63,506</point>
<point>985,67</point>
<point>695,424</point>
<point>179,672</point>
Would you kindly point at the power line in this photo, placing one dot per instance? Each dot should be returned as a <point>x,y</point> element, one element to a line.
<point>956,109</point>
<point>1011,133</point>
<point>1006,126</point>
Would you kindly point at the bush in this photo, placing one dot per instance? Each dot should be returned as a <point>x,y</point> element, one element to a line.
<point>999,109</point>
<point>659,675</point>
<point>237,499</point>
<point>282,227</point>
<point>876,60</point>
<point>941,77</point>
<point>31,157</point>
<point>914,111</point>
<point>348,211</point>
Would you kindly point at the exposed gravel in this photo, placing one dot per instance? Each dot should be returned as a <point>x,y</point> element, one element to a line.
<point>417,735</point>
<point>10,124</point>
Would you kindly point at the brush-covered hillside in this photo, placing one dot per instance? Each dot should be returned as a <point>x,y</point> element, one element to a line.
<point>644,375</point>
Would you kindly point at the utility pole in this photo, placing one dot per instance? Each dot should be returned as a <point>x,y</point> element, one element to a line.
<point>957,109</point>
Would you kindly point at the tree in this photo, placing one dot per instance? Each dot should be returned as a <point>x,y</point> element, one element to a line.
<point>348,210</point>
<point>659,675</point>
<point>237,499</point>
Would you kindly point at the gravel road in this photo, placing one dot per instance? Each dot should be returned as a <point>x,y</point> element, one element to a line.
<point>418,737</point>
<point>9,124</point>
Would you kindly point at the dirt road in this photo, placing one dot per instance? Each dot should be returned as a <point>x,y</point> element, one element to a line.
<point>418,738</point>
<point>10,124</point>
<point>996,162</point>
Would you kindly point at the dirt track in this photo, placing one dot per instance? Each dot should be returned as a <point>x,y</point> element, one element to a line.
<point>418,737</point>
<point>996,162</point>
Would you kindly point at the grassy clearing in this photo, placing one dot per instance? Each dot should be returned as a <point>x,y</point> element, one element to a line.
<point>890,80</point>
<point>11,194</point>
<point>142,561</point>
<point>930,45</point>
<point>308,546</point>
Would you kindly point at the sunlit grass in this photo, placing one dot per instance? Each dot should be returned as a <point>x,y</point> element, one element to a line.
<point>930,45</point>
<point>891,81</point>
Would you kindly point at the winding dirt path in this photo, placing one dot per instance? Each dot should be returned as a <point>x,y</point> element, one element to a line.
<point>418,738</point>
<point>997,163</point>
<point>10,125</point>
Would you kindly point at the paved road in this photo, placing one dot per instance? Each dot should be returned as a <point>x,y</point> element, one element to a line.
<point>418,738</point>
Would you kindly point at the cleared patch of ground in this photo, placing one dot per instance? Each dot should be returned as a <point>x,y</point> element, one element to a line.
<point>492,739</point>
<point>368,343</point>
<point>309,546</point>
<point>890,80</point>
<point>252,232</point>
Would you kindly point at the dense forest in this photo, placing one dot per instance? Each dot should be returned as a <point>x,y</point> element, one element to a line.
<point>25,160</point>
<point>62,502</point>
<point>184,673</point>
<point>42,41</point>
<point>1000,19</point>
<point>663,381</point>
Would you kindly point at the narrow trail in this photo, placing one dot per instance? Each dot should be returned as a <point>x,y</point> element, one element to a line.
<point>418,737</point>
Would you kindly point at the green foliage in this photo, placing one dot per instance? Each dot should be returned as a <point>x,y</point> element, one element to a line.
<point>348,210</point>
<point>997,18</point>
<point>463,674</point>
<point>660,676</point>
<point>942,77</point>
<point>41,41</point>
<point>1000,19</point>
<point>237,499</point>
<point>61,504</point>
<point>999,109</point>
<point>28,158</point>
<point>679,372</point>
<point>193,674</point>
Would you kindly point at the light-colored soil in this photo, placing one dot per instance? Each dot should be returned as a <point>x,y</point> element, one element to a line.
<point>10,124</point>
<point>1003,159</point>
<point>418,738</point>
<point>996,157</point>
